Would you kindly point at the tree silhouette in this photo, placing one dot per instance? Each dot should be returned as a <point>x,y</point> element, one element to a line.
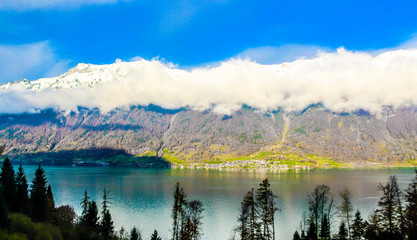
<point>106,225</point>
<point>358,227</point>
<point>155,236</point>
<point>85,203</point>
<point>178,209</point>
<point>265,202</point>
<point>193,216</point>
<point>135,234</point>
<point>8,181</point>
<point>247,218</point>
<point>320,202</point>
<point>65,215</point>
<point>22,194</point>
<point>92,218</point>
<point>296,236</point>
<point>325,229</point>
<point>38,196</point>
<point>411,209</point>
<point>388,213</point>
<point>346,207</point>
<point>343,234</point>
<point>312,231</point>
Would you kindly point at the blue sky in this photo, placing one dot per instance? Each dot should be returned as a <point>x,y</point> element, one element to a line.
<point>40,38</point>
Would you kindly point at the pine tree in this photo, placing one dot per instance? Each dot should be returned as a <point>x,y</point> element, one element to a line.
<point>358,227</point>
<point>193,216</point>
<point>388,213</point>
<point>50,196</point>
<point>38,196</point>
<point>155,236</point>
<point>51,205</point>
<point>265,202</point>
<point>178,209</point>
<point>247,219</point>
<point>106,225</point>
<point>85,203</point>
<point>135,234</point>
<point>296,236</point>
<point>92,218</point>
<point>343,234</point>
<point>7,180</point>
<point>411,209</point>
<point>325,230</point>
<point>312,231</point>
<point>4,217</point>
<point>372,229</point>
<point>22,194</point>
<point>320,202</point>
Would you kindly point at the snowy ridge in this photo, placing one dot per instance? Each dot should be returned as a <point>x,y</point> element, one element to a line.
<point>83,75</point>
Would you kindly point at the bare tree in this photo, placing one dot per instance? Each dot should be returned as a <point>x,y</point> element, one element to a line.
<point>320,202</point>
<point>346,207</point>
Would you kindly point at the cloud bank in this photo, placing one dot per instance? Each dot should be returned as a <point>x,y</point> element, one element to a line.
<point>342,81</point>
<point>29,61</point>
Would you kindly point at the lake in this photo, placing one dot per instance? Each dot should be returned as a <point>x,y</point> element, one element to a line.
<point>143,197</point>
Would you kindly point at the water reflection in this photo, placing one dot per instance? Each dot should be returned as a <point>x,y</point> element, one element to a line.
<point>143,197</point>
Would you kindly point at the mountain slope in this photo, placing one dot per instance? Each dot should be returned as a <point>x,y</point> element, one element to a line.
<point>218,129</point>
<point>185,136</point>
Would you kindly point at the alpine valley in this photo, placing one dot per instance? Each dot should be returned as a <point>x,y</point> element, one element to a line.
<point>150,135</point>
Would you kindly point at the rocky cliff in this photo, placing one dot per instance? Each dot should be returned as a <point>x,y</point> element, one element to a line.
<point>185,135</point>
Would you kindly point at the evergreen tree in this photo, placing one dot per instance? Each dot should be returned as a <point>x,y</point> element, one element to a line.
<point>4,217</point>
<point>247,219</point>
<point>346,207</point>
<point>178,209</point>
<point>320,202</point>
<point>22,194</point>
<point>358,227</point>
<point>51,205</point>
<point>325,230</point>
<point>296,236</point>
<point>388,213</point>
<point>372,229</point>
<point>398,198</point>
<point>155,236</point>
<point>50,196</point>
<point>411,209</point>
<point>135,234</point>
<point>343,234</point>
<point>106,225</point>
<point>7,180</point>
<point>311,231</point>
<point>193,216</point>
<point>38,196</point>
<point>85,203</point>
<point>265,203</point>
<point>92,218</point>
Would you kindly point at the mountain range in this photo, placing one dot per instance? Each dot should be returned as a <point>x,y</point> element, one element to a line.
<point>185,135</point>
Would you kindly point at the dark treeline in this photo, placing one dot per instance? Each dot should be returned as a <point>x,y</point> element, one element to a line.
<point>395,217</point>
<point>28,211</point>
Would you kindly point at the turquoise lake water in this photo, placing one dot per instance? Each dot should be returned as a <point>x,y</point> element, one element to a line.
<point>143,197</point>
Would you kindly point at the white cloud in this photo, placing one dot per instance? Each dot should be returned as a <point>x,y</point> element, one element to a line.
<point>284,53</point>
<point>341,81</point>
<point>29,61</point>
<point>23,5</point>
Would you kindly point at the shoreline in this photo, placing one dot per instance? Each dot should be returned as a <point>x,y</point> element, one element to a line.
<point>229,167</point>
